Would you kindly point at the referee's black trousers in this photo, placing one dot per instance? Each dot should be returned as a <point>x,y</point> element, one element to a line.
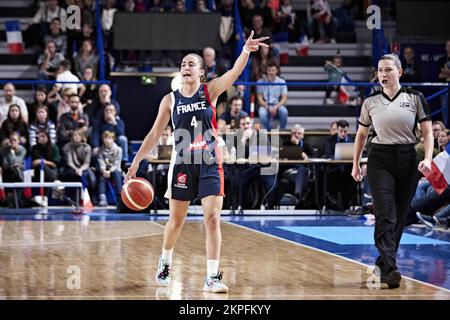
<point>393,176</point>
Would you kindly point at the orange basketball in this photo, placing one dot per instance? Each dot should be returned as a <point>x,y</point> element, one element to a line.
<point>137,194</point>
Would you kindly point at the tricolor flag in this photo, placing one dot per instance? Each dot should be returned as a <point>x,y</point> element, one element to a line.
<point>303,46</point>
<point>343,94</point>
<point>27,176</point>
<point>439,176</point>
<point>2,190</point>
<point>86,198</point>
<point>14,37</point>
<point>252,107</point>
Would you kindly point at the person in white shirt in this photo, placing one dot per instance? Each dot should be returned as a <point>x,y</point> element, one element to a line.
<point>48,11</point>
<point>64,74</point>
<point>9,98</point>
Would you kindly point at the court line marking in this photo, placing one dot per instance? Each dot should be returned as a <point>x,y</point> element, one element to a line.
<point>333,254</point>
<point>85,240</point>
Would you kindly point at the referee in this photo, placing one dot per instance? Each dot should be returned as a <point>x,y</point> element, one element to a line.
<point>392,164</point>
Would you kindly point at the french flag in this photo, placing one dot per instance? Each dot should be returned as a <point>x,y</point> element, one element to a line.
<point>14,37</point>
<point>303,46</point>
<point>344,92</point>
<point>439,176</point>
<point>86,198</point>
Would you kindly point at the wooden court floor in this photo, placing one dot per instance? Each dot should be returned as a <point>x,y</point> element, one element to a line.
<point>117,260</point>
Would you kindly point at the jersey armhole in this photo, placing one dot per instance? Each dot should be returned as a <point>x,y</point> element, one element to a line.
<point>205,88</point>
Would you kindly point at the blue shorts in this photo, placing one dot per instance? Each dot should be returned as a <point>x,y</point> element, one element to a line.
<point>188,181</point>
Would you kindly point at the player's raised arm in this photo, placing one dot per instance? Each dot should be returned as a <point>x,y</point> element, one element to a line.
<point>218,85</point>
<point>152,137</point>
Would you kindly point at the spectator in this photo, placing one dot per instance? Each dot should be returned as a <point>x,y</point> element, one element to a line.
<point>260,60</point>
<point>78,155</point>
<point>335,74</point>
<point>286,16</point>
<point>44,149</point>
<point>444,65</point>
<point>333,128</point>
<point>9,98</point>
<point>109,157</point>
<point>70,121</point>
<point>442,140</point>
<point>179,6</point>
<point>200,6</point>
<point>65,75</point>
<point>49,62</point>
<point>323,25</point>
<point>301,178</point>
<point>344,19</point>
<point>104,98</point>
<point>427,204</point>
<point>12,159</point>
<point>248,10</point>
<point>341,136</point>
<point>230,119</point>
<point>412,71</point>
<point>48,11</point>
<point>85,58</point>
<point>437,126</point>
<point>342,187</point>
<point>252,172</point>
<point>157,6</point>
<point>87,33</point>
<point>440,218</point>
<point>15,123</point>
<point>166,139</point>
<point>215,69</point>
<point>57,37</point>
<point>40,99</point>
<point>63,105</point>
<point>157,174</point>
<point>272,99</point>
<point>107,21</point>
<point>39,24</point>
<point>90,93</point>
<point>42,123</point>
<point>444,74</point>
<point>112,123</point>
<point>259,29</point>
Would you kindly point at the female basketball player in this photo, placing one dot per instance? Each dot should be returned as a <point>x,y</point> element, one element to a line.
<point>195,168</point>
<point>392,164</point>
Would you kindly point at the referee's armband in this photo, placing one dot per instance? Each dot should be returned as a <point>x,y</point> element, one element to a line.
<point>363,124</point>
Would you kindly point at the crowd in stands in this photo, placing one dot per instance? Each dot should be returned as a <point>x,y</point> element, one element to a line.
<point>66,136</point>
<point>265,17</point>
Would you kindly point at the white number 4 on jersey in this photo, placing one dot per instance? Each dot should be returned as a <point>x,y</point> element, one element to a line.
<point>194,122</point>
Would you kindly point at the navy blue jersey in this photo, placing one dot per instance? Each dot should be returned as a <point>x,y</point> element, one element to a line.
<point>194,123</point>
<point>195,168</point>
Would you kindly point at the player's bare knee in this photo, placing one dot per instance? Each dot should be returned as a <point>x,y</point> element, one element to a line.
<point>212,220</point>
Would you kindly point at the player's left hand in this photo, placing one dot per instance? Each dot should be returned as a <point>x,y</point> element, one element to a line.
<point>425,167</point>
<point>254,44</point>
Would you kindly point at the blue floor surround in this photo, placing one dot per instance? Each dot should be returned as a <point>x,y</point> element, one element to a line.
<point>423,254</point>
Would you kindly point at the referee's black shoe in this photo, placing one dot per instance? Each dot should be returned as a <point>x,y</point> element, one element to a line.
<point>392,279</point>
